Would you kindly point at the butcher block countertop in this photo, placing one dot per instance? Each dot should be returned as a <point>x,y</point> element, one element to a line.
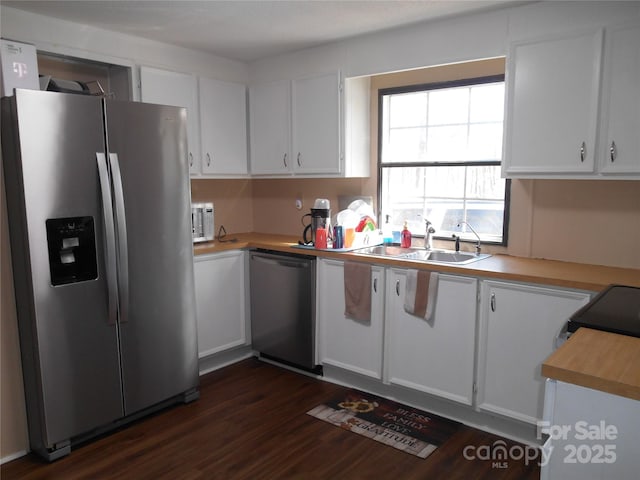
<point>599,360</point>
<point>500,267</point>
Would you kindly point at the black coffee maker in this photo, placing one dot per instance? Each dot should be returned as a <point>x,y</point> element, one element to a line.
<point>320,219</point>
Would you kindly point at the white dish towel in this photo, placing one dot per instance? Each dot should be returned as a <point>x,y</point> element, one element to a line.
<point>420,294</point>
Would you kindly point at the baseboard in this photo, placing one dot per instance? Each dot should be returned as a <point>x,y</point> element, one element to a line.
<point>13,456</point>
<point>223,359</point>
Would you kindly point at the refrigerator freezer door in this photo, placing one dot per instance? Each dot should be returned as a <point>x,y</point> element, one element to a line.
<point>69,350</point>
<point>158,340</point>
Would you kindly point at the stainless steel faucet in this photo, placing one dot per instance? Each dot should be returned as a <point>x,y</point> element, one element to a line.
<point>474,232</point>
<point>429,231</point>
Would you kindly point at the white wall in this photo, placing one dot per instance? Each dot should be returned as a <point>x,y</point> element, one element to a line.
<point>82,41</point>
<point>458,39</point>
<point>433,43</point>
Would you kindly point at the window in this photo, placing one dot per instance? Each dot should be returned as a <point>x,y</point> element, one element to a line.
<point>439,158</point>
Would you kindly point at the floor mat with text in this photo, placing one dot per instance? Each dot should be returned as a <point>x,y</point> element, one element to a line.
<point>405,428</point>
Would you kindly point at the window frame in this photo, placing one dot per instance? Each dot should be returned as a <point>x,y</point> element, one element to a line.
<point>437,86</point>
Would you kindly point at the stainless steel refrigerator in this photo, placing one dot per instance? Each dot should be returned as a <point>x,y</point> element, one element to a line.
<point>98,197</point>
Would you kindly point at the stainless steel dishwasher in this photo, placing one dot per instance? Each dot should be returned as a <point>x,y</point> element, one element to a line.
<point>283,307</point>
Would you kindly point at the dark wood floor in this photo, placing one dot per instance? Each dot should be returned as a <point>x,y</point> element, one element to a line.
<point>250,423</point>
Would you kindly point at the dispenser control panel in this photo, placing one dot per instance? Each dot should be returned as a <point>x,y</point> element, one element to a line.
<point>72,250</point>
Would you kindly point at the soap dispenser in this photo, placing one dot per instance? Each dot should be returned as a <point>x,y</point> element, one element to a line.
<point>405,238</point>
<point>387,232</point>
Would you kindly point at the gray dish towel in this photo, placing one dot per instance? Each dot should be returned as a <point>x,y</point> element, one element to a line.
<point>357,291</point>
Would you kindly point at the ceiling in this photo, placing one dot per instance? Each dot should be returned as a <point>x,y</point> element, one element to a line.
<point>247,30</point>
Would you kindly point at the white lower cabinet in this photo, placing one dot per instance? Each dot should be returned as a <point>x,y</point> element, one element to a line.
<point>221,303</point>
<point>343,342</point>
<point>518,326</point>
<point>483,347</point>
<point>593,435</point>
<point>435,356</point>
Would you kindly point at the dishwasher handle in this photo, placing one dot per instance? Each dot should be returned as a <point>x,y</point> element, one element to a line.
<point>281,262</point>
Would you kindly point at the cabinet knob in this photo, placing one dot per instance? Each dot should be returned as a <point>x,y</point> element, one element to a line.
<point>493,302</point>
<point>208,160</point>
<point>583,151</point>
<point>613,152</point>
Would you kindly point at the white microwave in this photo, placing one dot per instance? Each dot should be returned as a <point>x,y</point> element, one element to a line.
<point>202,224</point>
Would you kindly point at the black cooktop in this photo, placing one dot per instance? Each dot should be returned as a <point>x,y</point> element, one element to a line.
<point>616,309</point>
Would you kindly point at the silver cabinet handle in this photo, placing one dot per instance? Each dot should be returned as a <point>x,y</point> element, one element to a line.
<point>110,238</point>
<point>121,235</point>
<point>583,151</point>
<point>398,287</point>
<point>208,160</point>
<point>375,285</point>
<point>190,159</point>
<point>299,160</point>
<point>613,151</point>
<point>284,160</point>
<point>493,302</point>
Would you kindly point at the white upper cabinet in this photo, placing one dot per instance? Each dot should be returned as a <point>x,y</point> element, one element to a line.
<point>298,127</point>
<point>178,90</point>
<point>620,134</point>
<point>270,126</point>
<point>223,128</point>
<point>216,119</point>
<point>573,108</point>
<point>552,105</point>
<point>316,124</point>
<point>295,126</point>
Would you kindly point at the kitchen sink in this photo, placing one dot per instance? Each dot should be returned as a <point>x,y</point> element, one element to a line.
<point>422,255</point>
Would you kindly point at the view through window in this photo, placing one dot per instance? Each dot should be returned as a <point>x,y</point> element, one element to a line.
<point>440,154</point>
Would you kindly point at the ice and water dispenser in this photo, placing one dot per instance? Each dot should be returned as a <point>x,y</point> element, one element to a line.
<point>72,250</point>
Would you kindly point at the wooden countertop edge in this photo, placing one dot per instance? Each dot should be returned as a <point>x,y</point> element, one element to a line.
<point>599,360</point>
<point>498,267</point>
<point>591,381</point>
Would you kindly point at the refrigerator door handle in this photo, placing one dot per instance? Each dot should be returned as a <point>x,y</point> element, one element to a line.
<point>110,236</point>
<point>123,253</point>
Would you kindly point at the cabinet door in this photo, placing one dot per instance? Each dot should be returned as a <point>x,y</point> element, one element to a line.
<point>316,124</point>
<point>620,145</point>
<point>344,342</point>
<point>178,90</point>
<point>223,127</point>
<point>220,301</point>
<point>552,105</point>
<point>435,356</point>
<point>518,326</point>
<point>270,108</point>
<point>584,448</point>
